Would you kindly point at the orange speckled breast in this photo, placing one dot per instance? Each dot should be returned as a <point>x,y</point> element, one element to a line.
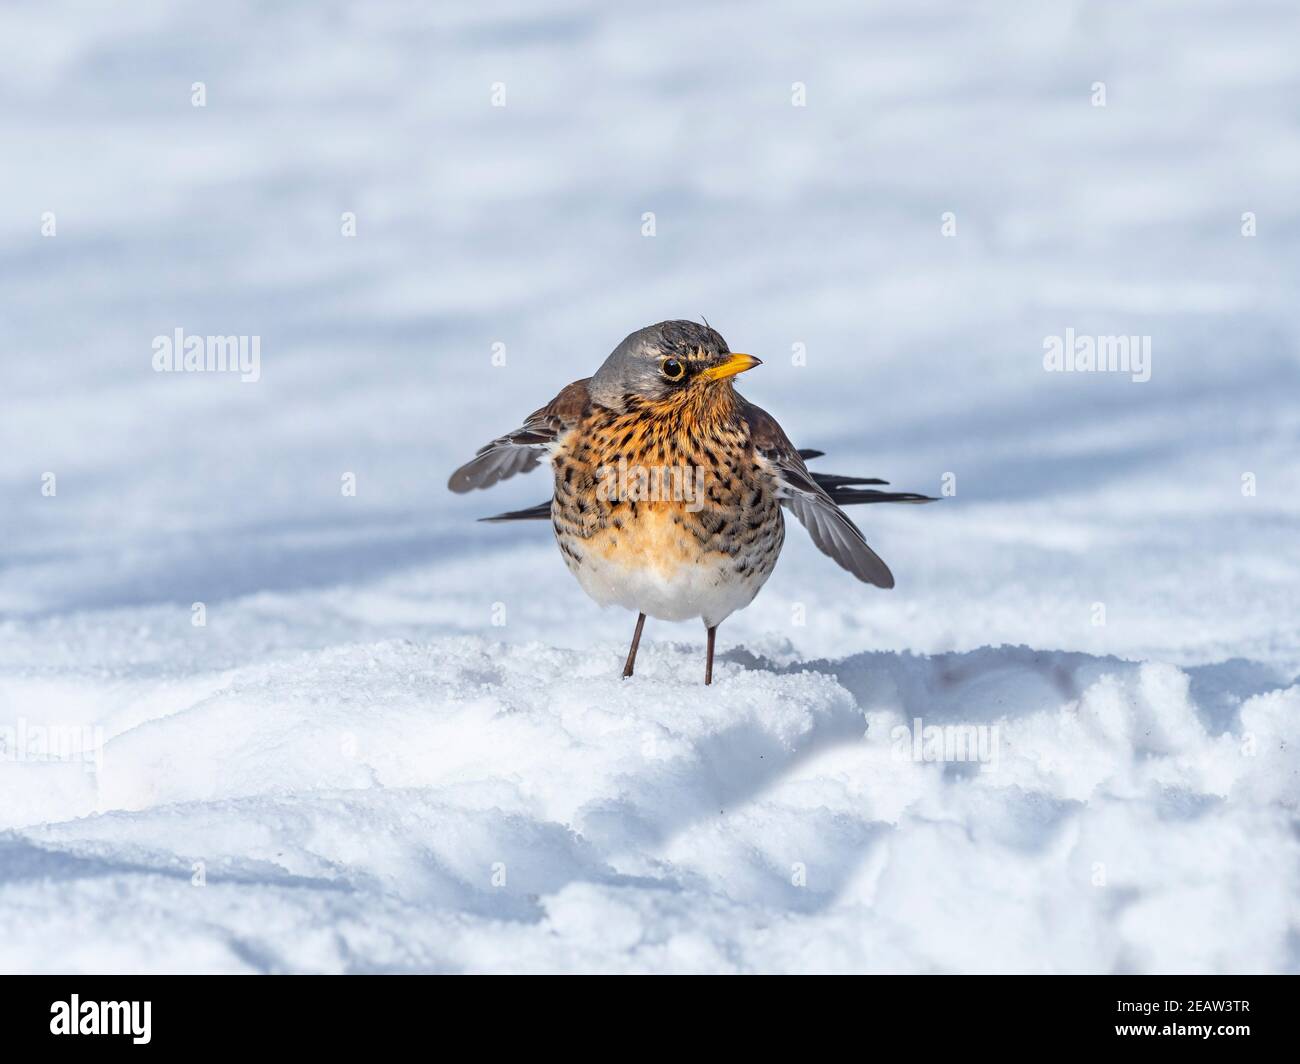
<point>665,511</point>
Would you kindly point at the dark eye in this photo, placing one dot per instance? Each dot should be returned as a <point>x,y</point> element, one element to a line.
<point>672,369</point>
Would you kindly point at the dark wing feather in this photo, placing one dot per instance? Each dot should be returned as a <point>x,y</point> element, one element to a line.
<point>521,450</point>
<point>540,512</point>
<point>831,530</point>
<point>835,480</point>
<point>844,492</point>
<point>853,496</point>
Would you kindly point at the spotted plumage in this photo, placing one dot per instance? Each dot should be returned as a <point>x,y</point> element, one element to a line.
<point>669,485</point>
<point>695,535</point>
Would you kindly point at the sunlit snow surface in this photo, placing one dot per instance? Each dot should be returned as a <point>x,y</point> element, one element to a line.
<point>399,742</point>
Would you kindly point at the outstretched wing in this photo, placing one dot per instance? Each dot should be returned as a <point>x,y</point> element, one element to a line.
<point>836,486</point>
<point>831,530</point>
<point>521,450</point>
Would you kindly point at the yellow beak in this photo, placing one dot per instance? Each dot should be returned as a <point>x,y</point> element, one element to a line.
<point>735,363</point>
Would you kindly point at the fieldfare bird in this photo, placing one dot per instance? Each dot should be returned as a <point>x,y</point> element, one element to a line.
<point>669,485</point>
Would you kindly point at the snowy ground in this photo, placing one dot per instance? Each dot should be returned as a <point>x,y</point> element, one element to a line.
<point>399,742</point>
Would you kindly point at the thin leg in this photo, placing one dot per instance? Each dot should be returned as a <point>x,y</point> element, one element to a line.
<point>708,661</point>
<point>636,642</point>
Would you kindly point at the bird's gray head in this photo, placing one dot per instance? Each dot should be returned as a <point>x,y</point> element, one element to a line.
<point>661,361</point>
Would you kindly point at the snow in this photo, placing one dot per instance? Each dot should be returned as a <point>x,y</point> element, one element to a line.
<point>399,742</point>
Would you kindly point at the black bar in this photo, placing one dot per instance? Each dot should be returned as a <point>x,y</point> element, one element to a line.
<point>335,1013</point>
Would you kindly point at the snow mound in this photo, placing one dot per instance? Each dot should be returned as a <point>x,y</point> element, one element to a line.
<point>460,804</point>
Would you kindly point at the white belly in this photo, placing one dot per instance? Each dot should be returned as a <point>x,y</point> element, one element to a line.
<point>707,590</point>
<point>674,590</point>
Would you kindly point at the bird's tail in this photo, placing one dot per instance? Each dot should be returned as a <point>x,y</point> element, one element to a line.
<point>845,491</point>
<point>540,512</point>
